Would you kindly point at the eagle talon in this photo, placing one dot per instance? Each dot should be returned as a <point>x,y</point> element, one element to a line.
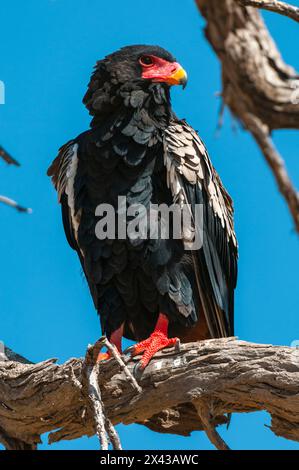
<point>149,347</point>
<point>128,350</point>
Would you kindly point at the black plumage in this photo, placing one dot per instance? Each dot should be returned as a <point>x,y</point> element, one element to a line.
<point>139,149</point>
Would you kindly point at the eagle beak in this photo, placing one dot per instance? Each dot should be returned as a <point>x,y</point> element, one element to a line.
<point>179,77</point>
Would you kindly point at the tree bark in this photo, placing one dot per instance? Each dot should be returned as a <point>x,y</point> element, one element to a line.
<point>256,80</point>
<point>261,91</point>
<point>207,379</point>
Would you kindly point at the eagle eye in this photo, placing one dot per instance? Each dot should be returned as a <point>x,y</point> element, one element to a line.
<point>146,61</point>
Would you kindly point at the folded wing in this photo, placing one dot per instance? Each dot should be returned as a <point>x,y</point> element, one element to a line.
<point>193,180</point>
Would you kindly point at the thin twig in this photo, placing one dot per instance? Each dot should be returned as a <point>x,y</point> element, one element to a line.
<point>104,427</point>
<point>220,114</point>
<point>14,204</point>
<point>98,407</point>
<point>202,408</point>
<point>122,365</point>
<point>273,5</point>
<point>113,435</point>
<point>8,158</point>
<point>6,200</point>
<point>261,134</point>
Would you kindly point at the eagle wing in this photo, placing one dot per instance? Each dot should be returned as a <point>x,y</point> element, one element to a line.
<point>63,172</point>
<point>193,180</point>
<point>70,184</point>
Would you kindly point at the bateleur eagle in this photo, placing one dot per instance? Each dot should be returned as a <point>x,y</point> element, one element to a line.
<point>153,290</point>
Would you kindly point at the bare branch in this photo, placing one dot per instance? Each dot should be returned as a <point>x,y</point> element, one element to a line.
<point>104,427</point>
<point>202,408</point>
<point>258,87</point>
<point>277,7</point>
<point>8,158</point>
<point>6,200</point>
<point>14,204</point>
<point>228,374</point>
<point>113,350</point>
<point>96,399</point>
<point>276,163</point>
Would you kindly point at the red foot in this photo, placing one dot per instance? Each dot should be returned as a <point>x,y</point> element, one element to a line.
<point>157,341</point>
<point>151,346</point>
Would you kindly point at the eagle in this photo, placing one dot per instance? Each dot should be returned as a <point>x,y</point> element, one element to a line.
<point>153,289</point>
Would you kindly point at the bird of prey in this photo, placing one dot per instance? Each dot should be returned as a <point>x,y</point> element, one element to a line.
<point>151,289</point>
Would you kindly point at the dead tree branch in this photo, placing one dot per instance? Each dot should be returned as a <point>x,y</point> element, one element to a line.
<point>14,204</point>
<point>8,158</point>
<point>203,410</point>
<point>181,392</point>
<point>277,165</point>
<point>277,7</point>
<point>261,91</point>
<point>4,199</point>
<point>104,427</point>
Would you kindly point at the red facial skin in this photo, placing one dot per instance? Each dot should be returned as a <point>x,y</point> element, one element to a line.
<point>160,70</point>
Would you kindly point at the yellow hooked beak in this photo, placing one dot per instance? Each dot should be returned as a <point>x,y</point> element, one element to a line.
<point>179,77</point>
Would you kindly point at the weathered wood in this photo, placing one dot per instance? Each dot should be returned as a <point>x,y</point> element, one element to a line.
<point>261,91</point>
<point>227,374</point>
<point>256,80</point>
<point>275,6</point>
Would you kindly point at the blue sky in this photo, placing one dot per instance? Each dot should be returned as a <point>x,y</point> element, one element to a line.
<point>48,49</point>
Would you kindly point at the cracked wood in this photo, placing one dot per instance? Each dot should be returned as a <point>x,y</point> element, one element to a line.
<point>227,374</point>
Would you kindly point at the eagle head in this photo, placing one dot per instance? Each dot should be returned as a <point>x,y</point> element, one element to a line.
<point>132,67</point>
